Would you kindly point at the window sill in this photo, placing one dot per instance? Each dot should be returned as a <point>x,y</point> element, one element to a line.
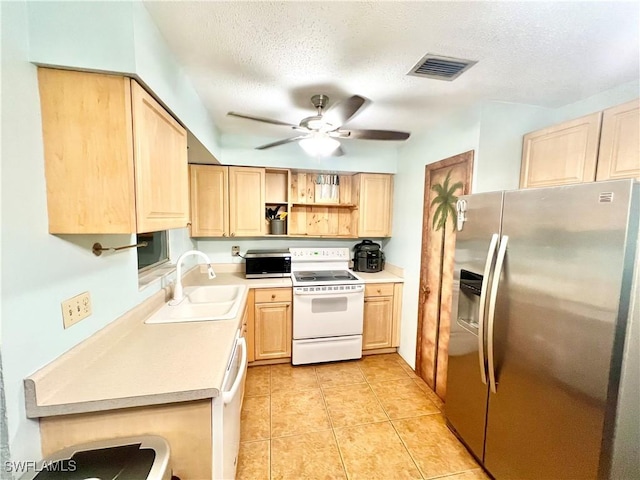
<point>155,274</point>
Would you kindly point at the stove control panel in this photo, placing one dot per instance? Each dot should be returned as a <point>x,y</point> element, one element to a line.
<point>305,254</point>
<point>328,289</point>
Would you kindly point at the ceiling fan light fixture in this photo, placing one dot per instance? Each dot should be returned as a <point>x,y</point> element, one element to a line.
<point>319,145</point>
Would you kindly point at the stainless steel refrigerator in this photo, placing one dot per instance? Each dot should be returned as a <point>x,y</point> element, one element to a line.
<point>540,324</point>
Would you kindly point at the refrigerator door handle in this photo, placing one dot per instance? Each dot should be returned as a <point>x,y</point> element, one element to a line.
<point>502,252</point>
<point>483,304</point>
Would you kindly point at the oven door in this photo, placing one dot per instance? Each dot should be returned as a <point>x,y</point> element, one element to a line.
<point>331,312</point>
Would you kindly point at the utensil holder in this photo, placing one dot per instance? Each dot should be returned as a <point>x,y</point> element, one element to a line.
<point>277,227</point>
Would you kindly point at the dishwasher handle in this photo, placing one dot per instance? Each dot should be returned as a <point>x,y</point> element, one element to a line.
<point>228,395</point>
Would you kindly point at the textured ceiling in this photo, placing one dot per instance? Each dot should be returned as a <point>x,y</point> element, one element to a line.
<point>268,58</point>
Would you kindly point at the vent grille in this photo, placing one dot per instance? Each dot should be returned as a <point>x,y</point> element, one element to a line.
<point>441,68</point>
<point>606,197</point>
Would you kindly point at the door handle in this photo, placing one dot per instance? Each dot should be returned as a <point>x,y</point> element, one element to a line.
<point>502,252</point>
<point>227,396</point>
<point>483,304</point>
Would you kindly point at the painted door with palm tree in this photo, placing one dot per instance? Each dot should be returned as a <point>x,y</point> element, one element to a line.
<point>445,181</point>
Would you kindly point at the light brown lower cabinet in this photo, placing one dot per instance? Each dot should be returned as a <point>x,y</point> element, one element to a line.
<point>382,304</point>
<point>273,323</point>
<point>185,425</point>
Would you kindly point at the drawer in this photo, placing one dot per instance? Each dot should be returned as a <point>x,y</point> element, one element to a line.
<point>378,290</point>
<point>271,295</point>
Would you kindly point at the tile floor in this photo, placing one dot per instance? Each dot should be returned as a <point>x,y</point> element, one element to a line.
<point>367,419</point>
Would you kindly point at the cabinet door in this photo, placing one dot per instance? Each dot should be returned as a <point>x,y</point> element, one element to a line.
<point>619,155</point>
<point>161,171</point>
<point>562,154</point>
<point>209,200</point>
<point>378,323</point>
<point>246,201</point>
<point>272,330</point>
<point>88,151</point>
<point>375,205</point>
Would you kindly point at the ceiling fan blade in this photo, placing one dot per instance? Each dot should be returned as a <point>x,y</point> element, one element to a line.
<point>338,152</point>
<point>339,113</point>
<point>281,142</point>
<point>373,134</point>
<point>261,119</point>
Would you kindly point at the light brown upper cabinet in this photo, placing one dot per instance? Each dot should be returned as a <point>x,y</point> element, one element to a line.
<point>246,201</point>
<point>227,201</point>
<point>209,200</point>
<point>619,155</point>
<point>115,160</point>
<point>601,146</point>
<point>374,194</point>
<point>561,154</point>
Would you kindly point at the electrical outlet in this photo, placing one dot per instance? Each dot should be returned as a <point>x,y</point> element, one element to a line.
<point>75,309</point>
<point>235,251</point>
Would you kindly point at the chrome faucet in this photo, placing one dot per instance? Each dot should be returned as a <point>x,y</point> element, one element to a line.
<point>178,293</point>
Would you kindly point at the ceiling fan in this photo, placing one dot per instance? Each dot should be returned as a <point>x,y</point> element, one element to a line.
<point>320,132</point>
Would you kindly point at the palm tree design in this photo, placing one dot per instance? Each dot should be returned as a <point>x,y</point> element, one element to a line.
<point>445,201</point>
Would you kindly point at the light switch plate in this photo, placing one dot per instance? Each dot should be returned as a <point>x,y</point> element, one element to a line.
<point>76,309</point>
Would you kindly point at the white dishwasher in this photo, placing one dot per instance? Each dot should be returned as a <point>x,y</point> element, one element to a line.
<point>225,415</point>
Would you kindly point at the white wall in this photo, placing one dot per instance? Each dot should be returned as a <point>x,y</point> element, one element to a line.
<point>456,134</point>
<point>40,270</point>
<point>118,37</point>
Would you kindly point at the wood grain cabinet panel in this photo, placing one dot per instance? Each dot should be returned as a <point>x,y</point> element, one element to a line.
<point>375,196</point>
<point>378,323</point>
<point>246,201</point>
<point>273,330</point>
<point>115,160</point>
<point>161,169</point>
<point>619,155</point>
<point>209,200</point>
<point>562,154</point>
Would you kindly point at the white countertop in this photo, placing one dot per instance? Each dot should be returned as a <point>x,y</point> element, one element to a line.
<point>130,363</point>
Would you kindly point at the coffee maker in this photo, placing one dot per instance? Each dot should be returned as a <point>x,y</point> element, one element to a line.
<point>368,257</point>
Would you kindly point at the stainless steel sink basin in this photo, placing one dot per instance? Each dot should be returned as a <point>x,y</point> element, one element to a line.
<point>205,303</point>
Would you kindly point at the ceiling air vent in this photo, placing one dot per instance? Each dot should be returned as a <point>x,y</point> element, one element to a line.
<point>441,68</point>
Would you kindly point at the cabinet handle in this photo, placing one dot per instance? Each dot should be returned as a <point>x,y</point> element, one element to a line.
<point>224,234</point>
<point>379,291</point>
<point>273,297</point>
<point>233,234</point>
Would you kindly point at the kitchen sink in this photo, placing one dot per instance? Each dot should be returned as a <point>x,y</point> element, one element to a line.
<point>214,293</point>
<point>204,303</point>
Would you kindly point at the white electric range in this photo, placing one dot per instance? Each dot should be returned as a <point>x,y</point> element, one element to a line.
<point>328,306</point>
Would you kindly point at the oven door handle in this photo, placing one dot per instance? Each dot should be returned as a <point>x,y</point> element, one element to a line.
<point>227,396</point>
<point>339,293</point>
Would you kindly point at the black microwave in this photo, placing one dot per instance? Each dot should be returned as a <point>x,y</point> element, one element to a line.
<point>268,263</point>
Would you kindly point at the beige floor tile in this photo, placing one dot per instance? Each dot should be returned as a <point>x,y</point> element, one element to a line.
<point>381,369</point>
<point>378,359</point>
<point>403,398</point>
<point>477,474</point>
<point>287,377</point>
<point>407,368</point>
<point>431,395</point>
<point>312,455</point>
<point>435,449</point>
<point>352,405</point>
<point>253,461</point>
<point>298,412</point>
<point>258,381</point>
<point>255,419</point>
<point>334,374</point>
<point>374,451</point>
